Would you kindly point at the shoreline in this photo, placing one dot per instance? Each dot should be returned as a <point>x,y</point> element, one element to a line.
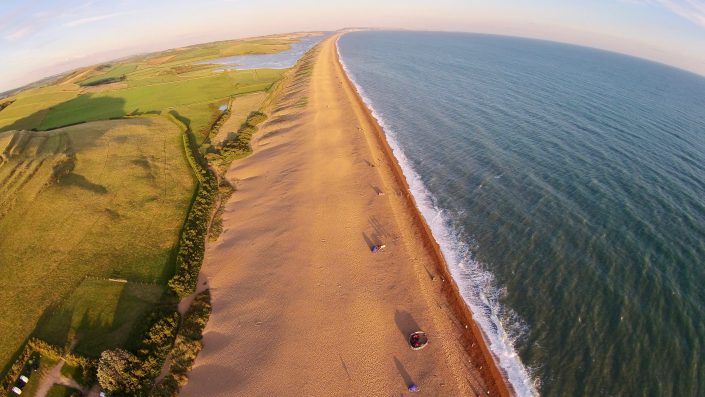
<point>299,300</point>
<point>475,338</point>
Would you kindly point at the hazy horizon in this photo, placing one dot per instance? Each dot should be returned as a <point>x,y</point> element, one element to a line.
<point>45,38</point>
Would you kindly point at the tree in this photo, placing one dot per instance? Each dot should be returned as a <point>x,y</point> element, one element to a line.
<point>116,372</point>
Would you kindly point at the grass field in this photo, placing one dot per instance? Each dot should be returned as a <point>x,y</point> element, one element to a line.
<point>83,195</point>
<point>61,391</point>
<point>117,213</point>
<point>98,315</point>
<point>210,88</point>
<point>113,72</point>
<point>153,83</point>
<point>241,107</point>
<point>29,107</point>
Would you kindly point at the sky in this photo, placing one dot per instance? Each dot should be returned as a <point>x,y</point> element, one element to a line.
<point>43,37</point>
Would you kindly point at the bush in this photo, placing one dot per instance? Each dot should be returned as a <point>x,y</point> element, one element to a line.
<point>184,354</point>
<point>225,191</point>
<point>192,244</point>
<point>117,372</point>
<point>5,104</point>
<point>186,347</point>
<point>167,387</point>
<point>256,118</point>
<point>238,146</point>
<point>84,368</point>
<point>197,316</point>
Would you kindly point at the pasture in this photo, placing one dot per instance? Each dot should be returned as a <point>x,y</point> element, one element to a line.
<point>241,107</point>
<point>99,314</point>
<point>94,184</point>
<point>114,209</point>
<point>185,95</point>
<point>173,79</point>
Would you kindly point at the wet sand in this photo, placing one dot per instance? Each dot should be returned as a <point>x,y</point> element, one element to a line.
<point>301,306</point>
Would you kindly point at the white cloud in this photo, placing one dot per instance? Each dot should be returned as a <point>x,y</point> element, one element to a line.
<point>692,10</point>
<point>83,21</point>
<point>19,33</point>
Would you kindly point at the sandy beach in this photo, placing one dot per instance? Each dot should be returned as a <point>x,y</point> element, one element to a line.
<point>301,305</point>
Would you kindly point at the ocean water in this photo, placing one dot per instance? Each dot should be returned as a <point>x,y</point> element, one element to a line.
<point>277,60</point>
<point>566,186</point>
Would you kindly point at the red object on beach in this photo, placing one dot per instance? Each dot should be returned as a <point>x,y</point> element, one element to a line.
<point>418,340</point>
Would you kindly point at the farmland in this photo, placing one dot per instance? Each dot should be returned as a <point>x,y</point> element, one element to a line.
<point>175,78</point>
<point>95,188</point>
<point>117,213</point>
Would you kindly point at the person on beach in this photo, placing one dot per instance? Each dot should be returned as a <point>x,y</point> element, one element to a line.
<point>376,248</point>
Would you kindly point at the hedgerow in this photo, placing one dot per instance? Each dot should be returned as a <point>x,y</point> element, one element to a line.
<point>192,243</point>
<point>122,373</point>
<point>186,347</point>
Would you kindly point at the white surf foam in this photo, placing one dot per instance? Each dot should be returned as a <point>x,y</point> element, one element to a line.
<point>500,325</point>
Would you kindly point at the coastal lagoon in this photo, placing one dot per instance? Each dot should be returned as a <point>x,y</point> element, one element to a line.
<point>566,187</point>
<point>278,60</point>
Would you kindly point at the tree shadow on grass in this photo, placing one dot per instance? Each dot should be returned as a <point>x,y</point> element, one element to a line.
<point>54,326</point>
<point>83,183</point>
<point>81,109</point>
<point>89,329</point>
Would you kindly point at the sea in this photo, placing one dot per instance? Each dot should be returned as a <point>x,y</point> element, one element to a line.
<point>566,187</point>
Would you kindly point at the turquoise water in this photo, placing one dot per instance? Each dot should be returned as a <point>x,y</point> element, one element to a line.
<point>277,60</point>
<point>566,186</point>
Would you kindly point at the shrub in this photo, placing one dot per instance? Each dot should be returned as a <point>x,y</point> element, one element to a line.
<point>186,346</point>
<point>192,243</point>
<point>5,104</point>
<point>184,354</point>
<point>117,374</point>
<point>225,191</point>
<point>156,345</point>
<point>85,368</point>
<point>196,316</point>
<point>167,387</point>
<point>256,118</point>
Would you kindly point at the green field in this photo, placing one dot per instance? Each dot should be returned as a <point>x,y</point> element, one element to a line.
<point>157,82</point>
<point>62,391</point>
<point>29,107</point>
<point>113,72</point>
<point>241,106</point>
<point>116,214</point>
<point>98,315</point>
<point>94,184</point>
<point>212,88</point>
